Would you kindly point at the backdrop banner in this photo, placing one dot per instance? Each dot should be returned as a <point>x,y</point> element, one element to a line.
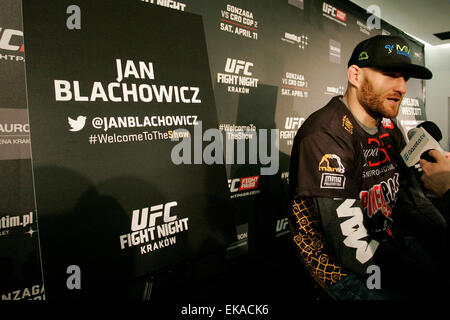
<point>120,192</point>
<point>20,268</point>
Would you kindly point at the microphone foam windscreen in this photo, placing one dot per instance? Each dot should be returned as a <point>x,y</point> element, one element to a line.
<point>432,129</point>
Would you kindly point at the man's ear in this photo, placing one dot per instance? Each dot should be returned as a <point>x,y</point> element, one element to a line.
<point>354,74</point>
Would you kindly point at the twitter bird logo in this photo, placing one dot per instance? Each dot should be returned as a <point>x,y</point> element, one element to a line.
<point>77,125</point>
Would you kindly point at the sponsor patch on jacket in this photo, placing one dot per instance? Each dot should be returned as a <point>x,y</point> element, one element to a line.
<point>331,163</point>
<point>347,125</point>
<point>332,181</point>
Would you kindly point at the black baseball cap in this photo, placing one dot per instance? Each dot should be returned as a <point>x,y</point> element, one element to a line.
<point>387,53</point>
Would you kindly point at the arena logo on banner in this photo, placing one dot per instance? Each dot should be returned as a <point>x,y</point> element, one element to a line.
<point>238,76</point>
<point>11,45</point>
<point>239,22</point>
<point>334,14</point>
<point>14,134</point>
<point>168,4</point>
<point>14,128</point>
<point>154,228</point>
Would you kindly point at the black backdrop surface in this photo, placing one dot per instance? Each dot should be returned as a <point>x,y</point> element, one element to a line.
<point>130,210</point>
<point>293,55</point>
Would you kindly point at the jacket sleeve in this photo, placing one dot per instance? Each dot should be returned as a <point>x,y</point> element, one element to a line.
<point>415,212</point>
<point>310,242</point>
<point>419,217</point>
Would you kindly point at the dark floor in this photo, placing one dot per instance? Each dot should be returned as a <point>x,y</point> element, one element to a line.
<point>260,278</point>
<point>275,279</point>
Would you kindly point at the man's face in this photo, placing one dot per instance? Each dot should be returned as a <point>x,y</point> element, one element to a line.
<point>381,92</point>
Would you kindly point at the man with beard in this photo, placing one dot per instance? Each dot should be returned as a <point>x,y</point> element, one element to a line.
<point>349,186</point>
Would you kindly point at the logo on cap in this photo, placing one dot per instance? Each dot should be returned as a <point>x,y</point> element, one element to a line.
<point>389,47</point>
<point>363,56</point>
<point>402,50</point>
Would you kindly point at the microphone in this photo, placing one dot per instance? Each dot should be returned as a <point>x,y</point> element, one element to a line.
<point>432,129</point>
<point>422,139</point>
<point>435,132</point>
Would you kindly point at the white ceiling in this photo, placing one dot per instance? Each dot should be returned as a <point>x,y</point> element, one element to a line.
<point>418,18</point>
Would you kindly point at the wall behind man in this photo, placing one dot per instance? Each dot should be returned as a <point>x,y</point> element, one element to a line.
<point>437,90</point>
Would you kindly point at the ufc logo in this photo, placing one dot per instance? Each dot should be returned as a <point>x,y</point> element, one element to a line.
<point>293,123</point>
<point>329,9</point>
<point>334,12</point>
<point>281,224</point>
<point>381,147</point>
<point>6,42</point>
<point>236,66</point>
<point>141,218</point>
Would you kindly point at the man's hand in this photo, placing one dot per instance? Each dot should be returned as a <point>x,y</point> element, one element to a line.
<point>436,176</point>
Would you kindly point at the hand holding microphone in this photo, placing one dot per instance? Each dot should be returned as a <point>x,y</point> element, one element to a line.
<point>436,175</point>
<point>423,147</point>
<point>421,140</point>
